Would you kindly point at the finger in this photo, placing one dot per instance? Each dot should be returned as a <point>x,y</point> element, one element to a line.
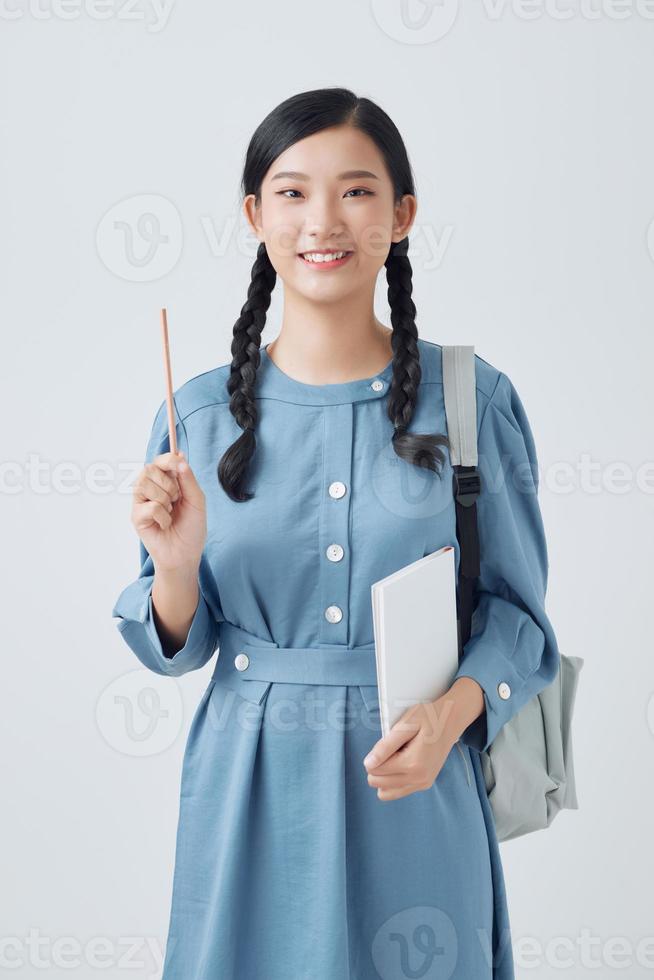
<point>394,781</point>
<point>169,461</point>
<point>168,481</point>
<point>165,468</point>
<point>401,732</point>
<point>386,795</point>
<point>150,512</point>
<point>147,488</point>
<point>397,764</point>
<point>191,489</point>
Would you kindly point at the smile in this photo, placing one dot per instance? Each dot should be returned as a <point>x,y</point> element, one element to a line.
<point>325,260</point>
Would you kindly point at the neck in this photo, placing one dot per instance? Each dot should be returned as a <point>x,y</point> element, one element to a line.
<point>330,343</point>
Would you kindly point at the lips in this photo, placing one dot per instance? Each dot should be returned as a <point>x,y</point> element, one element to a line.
<point>324,251</point>
<point>322,263</point>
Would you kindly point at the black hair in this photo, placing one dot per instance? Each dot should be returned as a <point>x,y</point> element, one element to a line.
<point>294,119</point>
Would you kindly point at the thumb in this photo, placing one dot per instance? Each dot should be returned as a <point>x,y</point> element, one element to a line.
<point>389,744</point>
<point>190,487</point>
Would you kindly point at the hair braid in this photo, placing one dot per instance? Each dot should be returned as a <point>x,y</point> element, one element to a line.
<point>421,449</point>
<point>246,355</point>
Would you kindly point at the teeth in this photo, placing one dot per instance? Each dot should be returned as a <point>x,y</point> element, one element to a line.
<point>317,257</point>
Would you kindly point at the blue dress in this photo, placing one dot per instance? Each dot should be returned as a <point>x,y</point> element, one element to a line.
<point>287,863</point>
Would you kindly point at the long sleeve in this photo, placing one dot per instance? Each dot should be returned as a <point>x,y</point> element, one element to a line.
<point>134,604</point>
<point>512,651</point>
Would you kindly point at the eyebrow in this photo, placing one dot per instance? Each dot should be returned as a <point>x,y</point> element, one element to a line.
<point>346,175</point>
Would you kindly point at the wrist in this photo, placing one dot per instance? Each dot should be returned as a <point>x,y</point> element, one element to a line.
<point>179,575</point>
<point>465,699</point>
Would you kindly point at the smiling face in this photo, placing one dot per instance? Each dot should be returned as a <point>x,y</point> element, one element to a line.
<point>329,193</point>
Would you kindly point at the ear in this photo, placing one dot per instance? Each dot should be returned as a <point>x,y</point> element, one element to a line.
<point>252,212</point>
<point>405,213</point>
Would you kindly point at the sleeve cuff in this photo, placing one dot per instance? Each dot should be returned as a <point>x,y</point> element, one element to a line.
<point>137,626</point>
<point>504,694</point>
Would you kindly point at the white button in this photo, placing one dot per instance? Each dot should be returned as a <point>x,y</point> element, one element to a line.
<point>241,661</point>
<point>377,385</point>
<point>334,614</point>
<point>337,489</point>
<point>503,690</point>
<point>334,552</point>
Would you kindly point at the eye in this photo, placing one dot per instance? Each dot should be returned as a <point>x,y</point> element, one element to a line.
<point>355,190</point>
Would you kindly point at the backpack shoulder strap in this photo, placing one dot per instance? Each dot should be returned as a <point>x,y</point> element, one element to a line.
<point>460,395</point>
<point>460,392</point>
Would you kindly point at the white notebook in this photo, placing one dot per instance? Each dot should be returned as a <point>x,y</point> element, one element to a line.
<point>415,633</point>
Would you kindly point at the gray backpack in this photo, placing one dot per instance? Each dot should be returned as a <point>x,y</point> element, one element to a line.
<point>528,768</point>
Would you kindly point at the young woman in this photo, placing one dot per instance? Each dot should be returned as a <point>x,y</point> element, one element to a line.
<point>308,846</point>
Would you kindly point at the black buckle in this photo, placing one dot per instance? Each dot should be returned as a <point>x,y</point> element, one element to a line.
<point>466,487</point>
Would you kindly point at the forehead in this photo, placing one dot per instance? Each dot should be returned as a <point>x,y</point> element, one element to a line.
<point>338,153</point>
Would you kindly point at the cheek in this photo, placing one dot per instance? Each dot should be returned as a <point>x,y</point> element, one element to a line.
<point>282,227</point>
<point>372,234</point>
<point>282,239</point>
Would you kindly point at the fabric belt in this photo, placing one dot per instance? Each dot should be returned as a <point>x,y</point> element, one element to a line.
<point>249,664</point>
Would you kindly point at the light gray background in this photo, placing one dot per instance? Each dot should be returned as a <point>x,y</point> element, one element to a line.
<point>530,132</point>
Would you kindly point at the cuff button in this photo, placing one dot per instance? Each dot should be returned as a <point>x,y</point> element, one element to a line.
<point>241,661</point>
<point>503,690</point>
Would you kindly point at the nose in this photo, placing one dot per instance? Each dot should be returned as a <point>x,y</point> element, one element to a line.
<point>324,220</point>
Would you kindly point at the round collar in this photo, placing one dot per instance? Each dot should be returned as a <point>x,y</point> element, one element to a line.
<point>272,382</point>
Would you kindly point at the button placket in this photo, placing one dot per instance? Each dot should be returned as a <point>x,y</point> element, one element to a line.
<point>334,552</point>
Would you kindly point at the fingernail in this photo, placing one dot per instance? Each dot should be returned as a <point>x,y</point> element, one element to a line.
<point>370,760</point>
<point>182,468</point>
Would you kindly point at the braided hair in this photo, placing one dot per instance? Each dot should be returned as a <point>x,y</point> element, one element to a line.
<point>292,120</point>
